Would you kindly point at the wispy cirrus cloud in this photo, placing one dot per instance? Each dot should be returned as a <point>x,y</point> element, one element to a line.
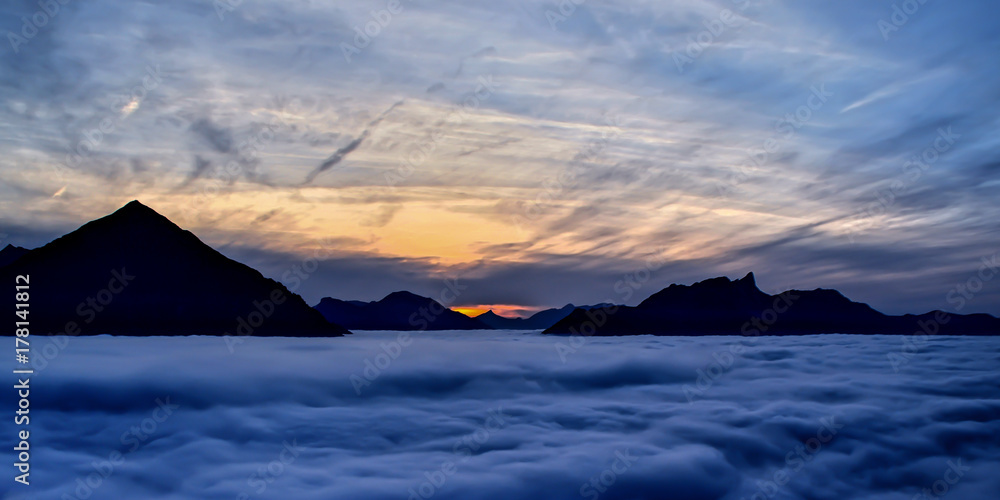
<point>682,134</point>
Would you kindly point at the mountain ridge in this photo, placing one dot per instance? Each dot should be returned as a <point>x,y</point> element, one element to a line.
<point>400,310</point>
<point>720,306</point>
<point>539,321</point>
<point>136,273</point>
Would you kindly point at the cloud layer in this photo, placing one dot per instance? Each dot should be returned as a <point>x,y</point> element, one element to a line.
<point>827,417</point>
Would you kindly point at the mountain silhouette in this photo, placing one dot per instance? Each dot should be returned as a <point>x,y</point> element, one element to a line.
<point>720,306</point>
<point>10,253</point>
<point>136,273</point>
<point>538,321</point>
<point>397,311</point>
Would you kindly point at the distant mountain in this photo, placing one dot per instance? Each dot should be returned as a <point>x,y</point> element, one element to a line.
<point>538,321</point>
<point>136,273</point>
<point>722,307</point>
<point>10,253</point>
<point>397,311</point>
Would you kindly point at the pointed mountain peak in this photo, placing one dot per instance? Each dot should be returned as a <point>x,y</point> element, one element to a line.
<point>182,285</point>
<point>135,219</point>
<point>134,208</point>
<point>749,279</point>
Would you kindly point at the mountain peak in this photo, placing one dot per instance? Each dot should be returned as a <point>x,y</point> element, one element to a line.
<point>720,306</point>
<point>181,285</point>
<point>136,209</point>
<point>403,295</point>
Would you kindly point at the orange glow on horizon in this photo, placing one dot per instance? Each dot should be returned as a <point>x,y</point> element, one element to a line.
<point>505,310</point>
<point>469,311</point>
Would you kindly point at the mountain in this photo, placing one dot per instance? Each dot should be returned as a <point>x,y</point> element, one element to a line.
<point>10,253</point>
<point>720,306</point>
<point>538,321</point>
<point>397,311</point>
<point>136,273</point>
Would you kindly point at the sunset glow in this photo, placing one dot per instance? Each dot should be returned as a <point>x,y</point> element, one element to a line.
<point>505,310</point>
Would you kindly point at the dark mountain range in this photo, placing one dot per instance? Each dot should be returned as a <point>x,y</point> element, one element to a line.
<point>10,253</point>
<point>397,311</point>
<point>538,321</point>
<point>136,273</point>
<point>722,307</point>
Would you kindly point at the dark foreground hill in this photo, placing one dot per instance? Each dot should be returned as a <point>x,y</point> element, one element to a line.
<point>722,307</point>
<point>397,311</point>
<point>136,273</point>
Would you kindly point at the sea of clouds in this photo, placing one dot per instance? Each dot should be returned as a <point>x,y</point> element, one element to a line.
<point>516,415</point>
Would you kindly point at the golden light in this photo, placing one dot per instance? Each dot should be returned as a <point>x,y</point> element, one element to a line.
<point>505,310</point>
<point>469,311</point>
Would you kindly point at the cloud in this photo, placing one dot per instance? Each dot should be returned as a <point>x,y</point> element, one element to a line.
<point>342,153</point>
<point>219,138</point>
<point>683,158</point>
<point>826,411</point>
<point>383,217</point>
<point>199,168</point>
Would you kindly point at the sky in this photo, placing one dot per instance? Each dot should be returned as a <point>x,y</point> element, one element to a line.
<point>538,153</point>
